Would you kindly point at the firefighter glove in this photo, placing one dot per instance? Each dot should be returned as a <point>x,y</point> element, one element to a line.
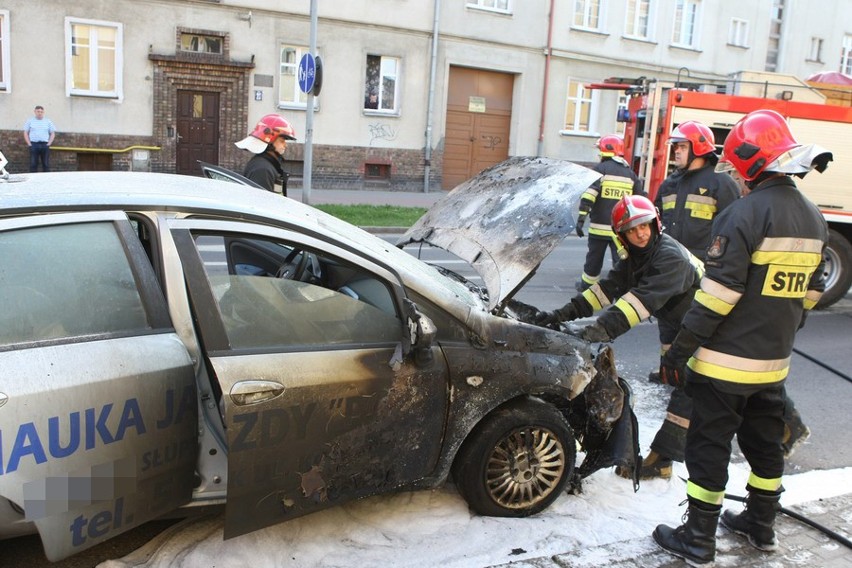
<point>568,312</point>
<point>581,220</point>
<point>595,333</point>
<point>673,362</point>
<point>672,373</point>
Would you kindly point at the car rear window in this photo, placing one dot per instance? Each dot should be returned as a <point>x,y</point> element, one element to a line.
<point>64,281</point>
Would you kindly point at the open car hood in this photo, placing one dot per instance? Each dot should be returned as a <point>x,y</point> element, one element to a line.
<point>505,220</point>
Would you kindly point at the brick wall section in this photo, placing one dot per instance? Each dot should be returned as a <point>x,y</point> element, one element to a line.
<point>335,167</point>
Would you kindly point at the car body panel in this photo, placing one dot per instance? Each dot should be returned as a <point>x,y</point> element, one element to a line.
<point>505,220</point>
<point>98,429</point>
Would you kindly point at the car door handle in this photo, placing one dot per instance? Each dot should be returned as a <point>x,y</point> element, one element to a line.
<point>248,392</point>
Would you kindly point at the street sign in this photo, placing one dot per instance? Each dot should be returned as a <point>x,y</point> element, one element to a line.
<point>307,73</point>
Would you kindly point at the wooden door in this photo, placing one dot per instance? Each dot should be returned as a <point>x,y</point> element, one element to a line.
<point>197,130</point>
<point>479,113</point>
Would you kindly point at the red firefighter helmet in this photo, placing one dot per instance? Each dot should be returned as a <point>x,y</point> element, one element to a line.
<point>702,139</point>
<point>611,145</point>
<point>631,211</point>
<point>755,142</point>
<point>266,131</point>
<point>273,126</point>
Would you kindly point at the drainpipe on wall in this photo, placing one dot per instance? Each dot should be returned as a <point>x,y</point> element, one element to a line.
<point>427,159</point>
<point>547,56</point>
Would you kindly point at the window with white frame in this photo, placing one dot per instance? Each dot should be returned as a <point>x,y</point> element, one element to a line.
<point>93,53</point>
<point>289,93</point>
<point>381,84</point>
<point>578,108</point>
<point>587,14</point>
<point>686,23</point>
<point>637,21</point>
<point>738,32</point>
<point>815,53</point>
<point>846,55</point>
<point>496,5</point>
<point>5,73</point>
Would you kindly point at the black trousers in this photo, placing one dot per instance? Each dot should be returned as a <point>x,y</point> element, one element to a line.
<point>754,416</point>
<point>595,255</point>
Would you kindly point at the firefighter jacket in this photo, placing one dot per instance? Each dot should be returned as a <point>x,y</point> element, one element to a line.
<point>266,170</point>
<point>764,268</point>
<point>597,202</point>
<point>689,200</point>
<point>660,281</point>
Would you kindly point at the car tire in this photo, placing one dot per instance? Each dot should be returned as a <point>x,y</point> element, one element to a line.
<point>517,461</point>
<point>838,269</point>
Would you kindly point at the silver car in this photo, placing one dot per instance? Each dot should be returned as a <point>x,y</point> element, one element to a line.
<point>170,341</point>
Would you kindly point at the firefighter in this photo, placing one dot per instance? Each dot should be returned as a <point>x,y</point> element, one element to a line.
<point>691,197</point>
<point>596,205</point>
<point>268,142</point>
<point>764,271</point>
<point>657,277</point>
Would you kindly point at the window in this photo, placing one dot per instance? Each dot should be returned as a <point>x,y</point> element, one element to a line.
<point>272,294</point>
<point>738,33</point>
<point>815,53</point>
<point>587,14</point>
<point>93,58</point>
<point>198,43</point>
<point>578,110</point>
<point>638,18</point>
<point>95,292</point>
<point>773,47</point>
<point>496,5</point>
<point>381,86</point>
<point>5,74</point>
<point>846,55</point>
<point>686,18</point>
<point>289,93</point>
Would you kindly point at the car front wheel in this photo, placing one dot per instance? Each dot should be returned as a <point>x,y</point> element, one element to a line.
<point>517,461</point>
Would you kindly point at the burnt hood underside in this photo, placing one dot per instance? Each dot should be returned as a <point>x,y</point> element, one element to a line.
<point>505,220</point>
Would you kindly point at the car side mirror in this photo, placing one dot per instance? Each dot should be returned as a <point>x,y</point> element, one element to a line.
<point>420,334</point>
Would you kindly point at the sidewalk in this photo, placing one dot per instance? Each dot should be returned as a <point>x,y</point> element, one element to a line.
<point>368,197</point>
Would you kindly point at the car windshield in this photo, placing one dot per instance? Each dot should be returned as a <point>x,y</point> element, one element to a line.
<point>428,280</point>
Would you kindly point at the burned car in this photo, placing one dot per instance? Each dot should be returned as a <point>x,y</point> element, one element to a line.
<point>169,342</point>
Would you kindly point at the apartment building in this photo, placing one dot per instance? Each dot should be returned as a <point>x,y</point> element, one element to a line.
<point>416,94</point>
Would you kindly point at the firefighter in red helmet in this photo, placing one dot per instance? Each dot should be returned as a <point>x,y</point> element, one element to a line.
<point>616,181</point>
<point>764,271</point>
<point>691,197</point>
<point>268,142</point>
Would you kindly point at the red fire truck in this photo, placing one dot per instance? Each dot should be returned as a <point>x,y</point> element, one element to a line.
<point>655,107</point>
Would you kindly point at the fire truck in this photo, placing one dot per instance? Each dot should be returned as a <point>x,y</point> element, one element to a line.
<point>655,107</point>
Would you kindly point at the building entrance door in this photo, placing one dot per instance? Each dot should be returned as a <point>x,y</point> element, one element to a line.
<point>479,112</point>
<point>197,130</point>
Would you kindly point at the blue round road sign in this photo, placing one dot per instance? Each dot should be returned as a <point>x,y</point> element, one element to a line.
<point>307,73</point>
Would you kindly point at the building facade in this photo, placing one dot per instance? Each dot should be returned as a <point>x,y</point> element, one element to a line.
<point>415,95</point>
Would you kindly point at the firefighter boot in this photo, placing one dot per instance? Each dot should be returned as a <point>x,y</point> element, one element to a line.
<point>757,520</point>
<point>695,539</point>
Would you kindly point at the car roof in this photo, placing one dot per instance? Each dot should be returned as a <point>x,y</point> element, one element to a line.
<point>55,192</point>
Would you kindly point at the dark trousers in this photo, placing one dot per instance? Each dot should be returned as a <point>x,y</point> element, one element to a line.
<point>755,416</point>
<point>596,253</point>
<point>39,152</point>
